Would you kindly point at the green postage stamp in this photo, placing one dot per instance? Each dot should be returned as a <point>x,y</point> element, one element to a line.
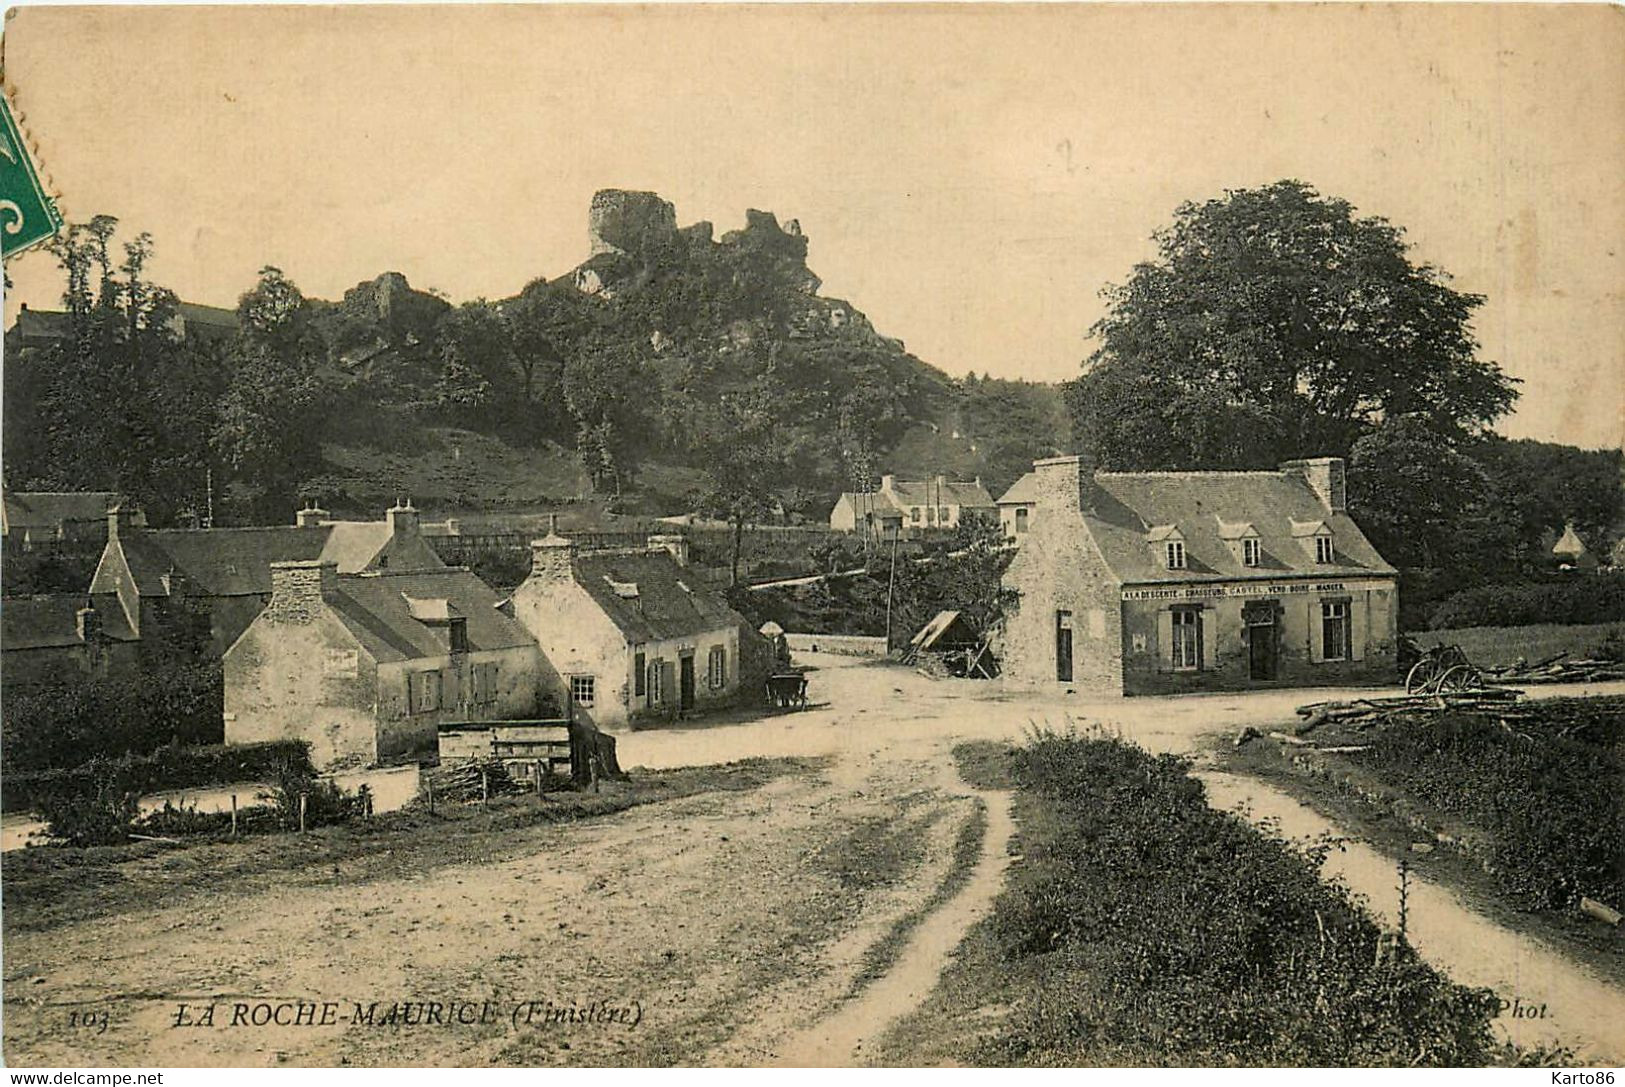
<point>27,214</point>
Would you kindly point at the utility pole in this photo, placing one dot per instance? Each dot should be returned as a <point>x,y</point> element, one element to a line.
<point>891,585</point>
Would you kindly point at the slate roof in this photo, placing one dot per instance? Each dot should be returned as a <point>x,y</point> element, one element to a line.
<point>671,602</point>
<point>948,493</point>
<point>237,561</point>
<point>1203,505</point>
<point>51,621</point>
<point>1023,491</point>
<point>47,509</point>
<point>378,609</point>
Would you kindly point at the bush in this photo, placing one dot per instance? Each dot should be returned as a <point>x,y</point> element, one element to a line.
<point>1161,931</point>
<point>1546,794</point>
<point>98,813</point>
<point>1580,598</point>
<point>172,767</point>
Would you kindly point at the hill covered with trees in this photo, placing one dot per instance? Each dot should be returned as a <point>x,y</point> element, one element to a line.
<point>671,371</point>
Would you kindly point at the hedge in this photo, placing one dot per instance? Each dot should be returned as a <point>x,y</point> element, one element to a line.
<point>172,767</point>
<point>1580,598</point>
<point>1144,927</point>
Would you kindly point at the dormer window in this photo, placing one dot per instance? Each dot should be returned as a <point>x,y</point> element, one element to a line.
<point>1243,540</point>
<point>1251,550</point>
<point>1175,551</point>
<point>1169,544</point>
<point>1316,537</point>
<point>1323,549</point>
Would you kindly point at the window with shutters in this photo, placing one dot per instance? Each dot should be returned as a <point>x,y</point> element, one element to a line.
<point>640,677</point>
<point>425,691</point>
<point>717,667</point>
<point>1335,631</point>
<point>1251,549</point>
<point>1186,651</point>
<point>1175,552</point>
<point>583,689</point>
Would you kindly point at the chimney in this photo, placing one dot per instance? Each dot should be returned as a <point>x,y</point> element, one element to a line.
<point>1324,476</point>
<point>887,482</point>
<point>553,556</point>
<point>124,518</point>
<point>675,543</point>
<point>299,589</point>
<point>311,516</point>
<point>1066,483</point>
<point>454,527</point>
<point>403,518</point>
<point>89,624</point>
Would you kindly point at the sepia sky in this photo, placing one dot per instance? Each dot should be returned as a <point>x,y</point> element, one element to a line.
<point>969,177</point>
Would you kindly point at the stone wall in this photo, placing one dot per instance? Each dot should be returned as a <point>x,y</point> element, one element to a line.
<point>1059,569</point>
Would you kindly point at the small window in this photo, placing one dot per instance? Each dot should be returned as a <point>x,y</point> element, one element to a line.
<point>1187,648</point>
<point>425,691</point>
<point>717,667</point>
<point>459,635</point>
<point>1176,555</point>
<point>914,514</point>
<point>1334,628</point>
<point>1250,551</point>
<point>942,515</point>
<point>582,689</point>
<point>1021,521</point>
<point>1323,549</point>
<point>930,515</point>
<point>640,679</point>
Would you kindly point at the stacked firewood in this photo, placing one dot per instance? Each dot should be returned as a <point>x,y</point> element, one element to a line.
<point>471,780</point>
<point>1366,712</point>
<point>1556,669</point>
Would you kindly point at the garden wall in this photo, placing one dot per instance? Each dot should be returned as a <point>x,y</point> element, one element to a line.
<point>851,645</point>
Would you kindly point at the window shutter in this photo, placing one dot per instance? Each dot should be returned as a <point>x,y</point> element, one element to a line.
<point>1317,632</point>
<point>1202,617</point>
<point>1165,640</point>
<point>1357,626</point>
<point>413,682</point>
<point>449,688</point>
<point>668,681</point>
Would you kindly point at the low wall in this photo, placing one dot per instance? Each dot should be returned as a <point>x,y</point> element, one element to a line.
<point>850,645</point>
<point>1494,647</point>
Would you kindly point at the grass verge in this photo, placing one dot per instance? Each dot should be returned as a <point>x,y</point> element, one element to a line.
<point>1138,926</point>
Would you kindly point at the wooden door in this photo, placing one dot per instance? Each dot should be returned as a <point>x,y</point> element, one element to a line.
<point>685,684</point>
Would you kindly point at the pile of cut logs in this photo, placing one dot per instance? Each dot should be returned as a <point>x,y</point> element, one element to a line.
<point>1556,669</point>
<point>473,780</point>
<point>1363,712</point>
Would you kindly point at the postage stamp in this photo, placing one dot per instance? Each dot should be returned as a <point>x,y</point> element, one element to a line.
<point>28,215</point>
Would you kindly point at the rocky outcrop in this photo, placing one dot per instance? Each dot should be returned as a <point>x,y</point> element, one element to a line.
<point>392,303</point>
<point>635,223</point>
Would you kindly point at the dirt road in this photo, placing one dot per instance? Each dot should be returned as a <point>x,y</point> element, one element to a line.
<point>788,924</point>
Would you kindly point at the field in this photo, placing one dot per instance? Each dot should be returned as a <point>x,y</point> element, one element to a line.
<point>1493,647</point>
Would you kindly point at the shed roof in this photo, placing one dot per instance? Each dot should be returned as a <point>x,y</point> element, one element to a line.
<point>947,629</point>
<point>1022,492</point>
<point>1275,504</point>
<point>52,621</point>
<point>670,602</point>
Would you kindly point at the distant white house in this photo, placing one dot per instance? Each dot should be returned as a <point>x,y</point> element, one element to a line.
<point>912,507</point>
<point>1017,507</point>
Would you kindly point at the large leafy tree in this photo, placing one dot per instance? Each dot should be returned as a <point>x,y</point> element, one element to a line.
<point>1274,323</point>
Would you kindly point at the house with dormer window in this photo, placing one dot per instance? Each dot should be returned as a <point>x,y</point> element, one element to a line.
<point>1151,582</point>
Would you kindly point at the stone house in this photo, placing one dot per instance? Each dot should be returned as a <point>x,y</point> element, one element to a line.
<point>628,634</point>
<point>366,667</point>
<point>1017,507</point>
<point>1155,582</point>
<point>913,507</point>
<point>228,570</point>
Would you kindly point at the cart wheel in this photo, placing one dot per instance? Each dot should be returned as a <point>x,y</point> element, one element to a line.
<point>1421,675</point>
<point>1461,677</point>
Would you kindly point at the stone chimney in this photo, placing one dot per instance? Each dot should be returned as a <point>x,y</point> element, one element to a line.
<point>88,622</point>
<point>299,589</point>
<point>676,543</point>
<point>1066,483</point>
<point>887,482</point>
<point>553,556</point>
<point>403,518</point>
<point>1324,475</point>
<point>311,516</point>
